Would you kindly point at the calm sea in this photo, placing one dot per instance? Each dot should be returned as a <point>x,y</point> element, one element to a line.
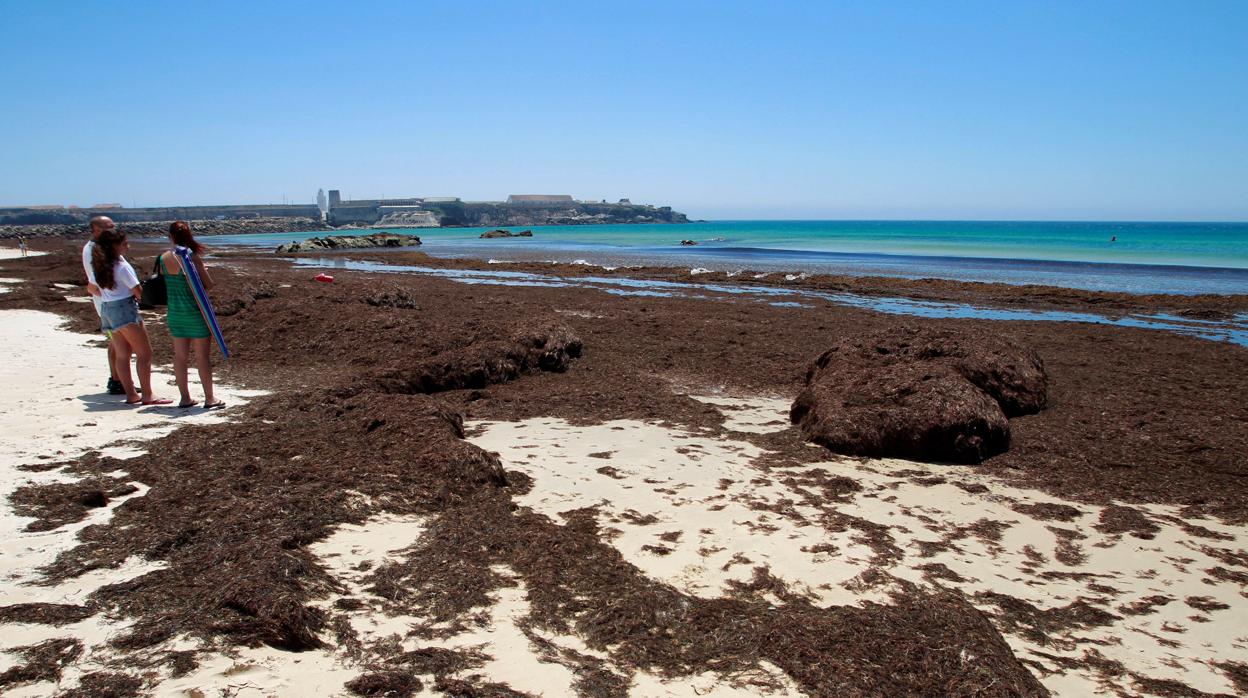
<point>1183,258</point>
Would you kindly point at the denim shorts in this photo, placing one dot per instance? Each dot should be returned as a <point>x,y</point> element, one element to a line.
<point>115,315</point>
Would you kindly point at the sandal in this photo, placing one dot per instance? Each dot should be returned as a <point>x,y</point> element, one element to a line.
<point>215,404</point>
<point>157,401</point>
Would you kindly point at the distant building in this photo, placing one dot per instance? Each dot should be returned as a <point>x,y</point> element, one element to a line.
<point>335,198</point>
<point>321,202</point>
<point>540,199</point>
<point>441,199</point>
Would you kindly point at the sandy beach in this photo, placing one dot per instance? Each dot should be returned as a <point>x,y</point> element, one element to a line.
<point>424,487</point>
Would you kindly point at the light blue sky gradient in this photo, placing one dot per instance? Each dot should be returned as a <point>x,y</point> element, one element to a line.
<point>966,110</point>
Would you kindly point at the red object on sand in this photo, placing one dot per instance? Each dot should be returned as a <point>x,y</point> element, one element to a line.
<point>326,278</point>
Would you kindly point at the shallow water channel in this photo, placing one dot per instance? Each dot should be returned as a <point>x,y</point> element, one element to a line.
<point>1234,331</point>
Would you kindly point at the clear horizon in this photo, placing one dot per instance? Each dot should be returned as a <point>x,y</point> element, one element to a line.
<point>1120,112</point>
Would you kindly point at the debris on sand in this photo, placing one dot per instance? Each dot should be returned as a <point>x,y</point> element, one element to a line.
<point>43,662</point>
<point>55,614</point>
<point>230,516</point>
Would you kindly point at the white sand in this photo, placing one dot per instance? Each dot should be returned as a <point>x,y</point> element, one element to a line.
<point>514,657</point>
<point>52,409</point>
<point>708,490</point>
<point>15,253</point>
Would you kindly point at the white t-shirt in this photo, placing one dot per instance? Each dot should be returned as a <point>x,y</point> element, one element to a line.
<point>86,267</point>
<point>124,279</point>
<point>86,260</point>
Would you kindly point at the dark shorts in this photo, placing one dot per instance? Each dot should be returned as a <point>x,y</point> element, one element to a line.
<point>115,315</point>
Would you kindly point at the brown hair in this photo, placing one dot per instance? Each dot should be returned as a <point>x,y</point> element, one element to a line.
<point>104,256</point>
<point>180,233</point>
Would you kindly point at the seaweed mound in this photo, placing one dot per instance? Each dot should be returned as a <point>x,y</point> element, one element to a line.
<point>549,347</point>
<point>921,394</point>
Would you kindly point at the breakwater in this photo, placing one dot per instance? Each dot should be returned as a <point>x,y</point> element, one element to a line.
<point>159,228</point>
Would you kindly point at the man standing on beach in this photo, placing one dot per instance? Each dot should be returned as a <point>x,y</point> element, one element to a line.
<point>100,224</point>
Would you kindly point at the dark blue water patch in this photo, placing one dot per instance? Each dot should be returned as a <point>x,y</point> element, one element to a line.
<point>1234,331</point>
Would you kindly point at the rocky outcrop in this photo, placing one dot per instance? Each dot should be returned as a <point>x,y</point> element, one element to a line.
<point>920,394</point>
<point>349,242</point>
<point>497,214</point>
<point>500,233</point>
<point>161,228</point>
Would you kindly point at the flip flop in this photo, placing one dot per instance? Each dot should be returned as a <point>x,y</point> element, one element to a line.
<point>157,401</point>
<point>135,402</point>
<point>214,405</point>
<point>185,405</point>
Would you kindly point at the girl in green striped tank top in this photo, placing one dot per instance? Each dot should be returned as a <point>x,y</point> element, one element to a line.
<point>186,322</point>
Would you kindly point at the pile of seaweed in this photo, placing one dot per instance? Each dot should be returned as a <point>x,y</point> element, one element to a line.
<point>232,508</point>
<point>367,419</point>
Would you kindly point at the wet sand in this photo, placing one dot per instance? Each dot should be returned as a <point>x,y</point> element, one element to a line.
<point>650,525</point>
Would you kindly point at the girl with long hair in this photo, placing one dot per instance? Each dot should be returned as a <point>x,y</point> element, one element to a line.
<point>186,322</point>
<point>119,314</point>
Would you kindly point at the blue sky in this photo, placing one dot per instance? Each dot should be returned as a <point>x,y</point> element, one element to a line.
<point>976,110</point>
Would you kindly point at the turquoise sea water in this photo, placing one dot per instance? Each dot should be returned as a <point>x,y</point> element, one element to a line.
<point>1184,258</point>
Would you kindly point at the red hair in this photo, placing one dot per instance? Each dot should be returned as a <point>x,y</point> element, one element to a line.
<point>180,233</point>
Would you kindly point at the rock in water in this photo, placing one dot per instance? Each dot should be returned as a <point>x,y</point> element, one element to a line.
<point>921,394</point>
<point>347,242</point>
<point>500,233</point>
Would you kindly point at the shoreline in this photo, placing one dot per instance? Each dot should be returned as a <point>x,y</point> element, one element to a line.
<point>1032,296</point>
<point>523,543</point>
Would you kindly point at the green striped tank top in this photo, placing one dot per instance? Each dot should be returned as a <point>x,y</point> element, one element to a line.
<point>185,320</point>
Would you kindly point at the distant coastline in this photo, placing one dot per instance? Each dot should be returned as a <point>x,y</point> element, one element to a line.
<point>332,211</point>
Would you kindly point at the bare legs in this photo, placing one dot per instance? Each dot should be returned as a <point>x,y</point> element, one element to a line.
<point>112,361</point>
<point>132,339</point>
<point>182,348</point>
<point>203,362</point>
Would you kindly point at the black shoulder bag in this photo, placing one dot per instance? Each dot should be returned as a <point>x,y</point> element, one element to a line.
<point>154,291</point>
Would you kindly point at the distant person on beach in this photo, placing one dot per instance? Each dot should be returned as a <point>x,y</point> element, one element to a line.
<point>100,225</point>
<point>21,244</point>
<point>186,322</point>
<point>119,314</point>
